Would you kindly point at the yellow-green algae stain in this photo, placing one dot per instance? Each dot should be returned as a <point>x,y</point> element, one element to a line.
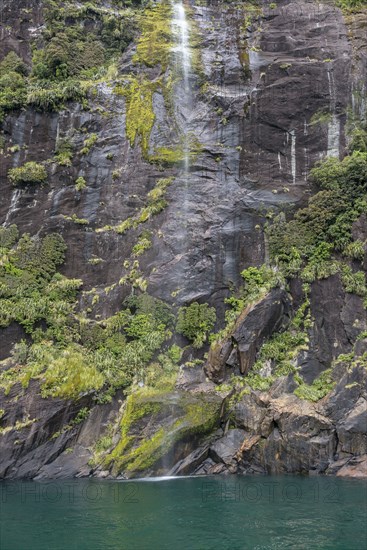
<point>155,47</point>
<point>153,421</point>
<point>155,44</point>
<point>140,115</point>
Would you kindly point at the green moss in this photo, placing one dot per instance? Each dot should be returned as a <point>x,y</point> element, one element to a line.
<point>74,218</point>
<point>191,417</point>
<point>196,42</point>
<point>155,44</point>
<point>135,409</point>
<point>30,172</point>
<point>166,155</point>
<point>320,117</point>
<point>139,111</point>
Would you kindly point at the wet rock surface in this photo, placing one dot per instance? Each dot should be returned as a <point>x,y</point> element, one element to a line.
<point>255,155</point>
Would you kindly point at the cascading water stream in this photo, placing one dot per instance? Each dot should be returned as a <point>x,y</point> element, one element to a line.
<point>182,51</point>
<point>184,106</point>
<point>334,123</point>
<point>181,30</point>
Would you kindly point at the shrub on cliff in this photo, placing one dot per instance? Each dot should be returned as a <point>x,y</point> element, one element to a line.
<point>329,215</point>
<point>30,172</point>
<point>195,322</point>
<point>12,83</point>
<point>348,176</point>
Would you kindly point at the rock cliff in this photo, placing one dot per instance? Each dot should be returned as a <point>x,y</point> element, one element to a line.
<point>187,213</point>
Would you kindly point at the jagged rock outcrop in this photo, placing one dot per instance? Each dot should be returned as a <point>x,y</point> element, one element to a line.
<point>277,433</point>
<point>50,437</point>
<point>256,324</point>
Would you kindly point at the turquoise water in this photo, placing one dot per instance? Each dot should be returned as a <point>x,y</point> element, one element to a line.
<point>256,513</point>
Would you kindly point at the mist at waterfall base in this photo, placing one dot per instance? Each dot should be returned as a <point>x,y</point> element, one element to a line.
<point>201,513</point>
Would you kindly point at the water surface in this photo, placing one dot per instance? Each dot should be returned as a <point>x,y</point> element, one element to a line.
<point>255,513</point>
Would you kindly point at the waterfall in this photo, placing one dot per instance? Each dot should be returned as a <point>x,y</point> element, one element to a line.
<point>181,31</point>
<point>184,99</point>
<point>333,137</point>
<point>13,205</point>
<point>293,155</point>
<point>292,133</point>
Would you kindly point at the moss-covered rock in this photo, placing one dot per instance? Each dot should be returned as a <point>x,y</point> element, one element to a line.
<point>158,427</point>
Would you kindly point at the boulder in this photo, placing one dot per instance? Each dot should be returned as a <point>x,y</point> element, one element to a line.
<point>225,449</point>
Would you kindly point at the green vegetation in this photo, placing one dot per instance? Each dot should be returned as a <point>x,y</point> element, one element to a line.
<point>195,322</point>
<point>352,6</point>
<point>314,244</point>
<point>358,139</point>
<point>80,184</point>
<point>324,227</point>
<point>74,218</point>
<point>320,117</point>
<point>155,203</point>
<point>155,44</point>
<point>30,172</point>
<point>19,425</point>
<point>258,281</point>
<point>143,244</point>
<point>175,155</point>
<point>79,42</point>
<point>154,48</point>
<point>68,352</point>
<point>30,289</point>
<point>139,113</point>
<point>137,449</point>
<point>281,351</point>
<point>12,84</point>
<point>53,96</point>
<point>320,387</point>
<point>89,142</point>
<point>64,152</point>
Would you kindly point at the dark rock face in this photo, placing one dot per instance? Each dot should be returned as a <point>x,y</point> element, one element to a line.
<point>256,324</point>
<point>255,156</point>
<point>339,318</point>
<point>279,433</point>
<point>48,441</point>
<point>269,316</point>
<point>266,145</point>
